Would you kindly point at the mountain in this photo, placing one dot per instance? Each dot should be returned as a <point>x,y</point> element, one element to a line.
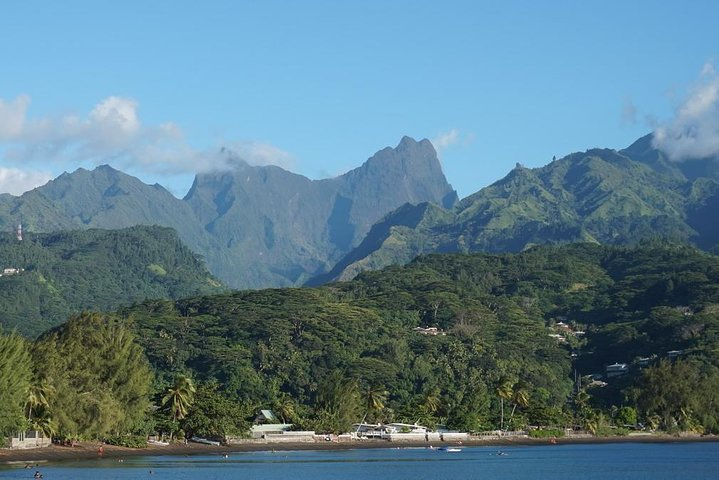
<point>257,226</point>
<point>101,198</point>
<point>600,195</point>
<point>277,228</point>
<point>47,277</point>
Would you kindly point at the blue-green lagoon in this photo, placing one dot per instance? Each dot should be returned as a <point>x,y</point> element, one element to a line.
<point>641,461</point>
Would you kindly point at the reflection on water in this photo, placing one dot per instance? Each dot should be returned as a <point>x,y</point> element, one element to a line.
<point>628,461</point>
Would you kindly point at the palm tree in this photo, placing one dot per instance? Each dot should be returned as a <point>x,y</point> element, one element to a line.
<point>581,401</point>
<point>374,397</point>
<point>520,398</point>
<point>37,397</point>
<point>180,397</point>
<point>285,407</point>
<point>432,402</point>
<point>504,392</point>
<point>38,406</point>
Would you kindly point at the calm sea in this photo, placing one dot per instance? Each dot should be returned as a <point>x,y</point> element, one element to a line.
<point>558,462</point>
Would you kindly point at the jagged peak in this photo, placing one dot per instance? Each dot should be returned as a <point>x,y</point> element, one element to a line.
<point>409,143</point>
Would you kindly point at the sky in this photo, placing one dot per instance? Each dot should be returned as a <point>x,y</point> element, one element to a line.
<point>157,89</point>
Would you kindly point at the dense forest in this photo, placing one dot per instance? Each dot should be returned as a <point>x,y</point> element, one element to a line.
<point>475,342</point>
<point>52,276</point>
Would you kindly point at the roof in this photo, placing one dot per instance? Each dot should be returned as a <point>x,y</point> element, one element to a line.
<point>268,414</point>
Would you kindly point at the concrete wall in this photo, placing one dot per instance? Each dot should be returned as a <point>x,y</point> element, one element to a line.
<point>405,437</point>
<point>286,437</point>
<point>31,439</point>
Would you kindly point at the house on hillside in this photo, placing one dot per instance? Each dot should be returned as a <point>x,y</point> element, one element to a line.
<point>617,370</point>
<point>11,271</point>
<point>433,331</point>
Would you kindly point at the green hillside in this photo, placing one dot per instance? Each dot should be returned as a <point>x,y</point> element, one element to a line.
<point>476,342</point>
<point>601,196</point>
<point>496,315</point>
<point>68,272</point>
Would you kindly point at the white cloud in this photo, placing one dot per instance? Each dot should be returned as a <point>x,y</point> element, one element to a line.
<point>12,117</point>
<point>15,181</point>
<point>629,112</point>
<point>449,139</point>
<point>444,140</point>
<point>113,133</point>
<point>708,69</point>
<point>116,113</point>
<point>694,130</point>
<point>257,153</point>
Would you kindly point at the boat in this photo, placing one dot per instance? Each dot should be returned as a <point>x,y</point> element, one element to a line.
<point>205,441</point>
<point>449,449</point>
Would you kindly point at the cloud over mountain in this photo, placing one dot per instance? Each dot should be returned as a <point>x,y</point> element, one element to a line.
<point>15,181</point>
<point>694,130</point>
<point>112,132</point>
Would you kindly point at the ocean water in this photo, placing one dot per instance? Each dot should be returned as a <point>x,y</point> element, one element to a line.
<point>638,461</point>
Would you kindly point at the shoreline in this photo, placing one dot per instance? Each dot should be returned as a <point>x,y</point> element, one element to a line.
<point>88,450</point>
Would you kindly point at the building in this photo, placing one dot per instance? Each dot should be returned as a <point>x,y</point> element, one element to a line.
<point>434,331</point>
<point>267,424</point>
<point>29,439</point>
<point>617,370</point>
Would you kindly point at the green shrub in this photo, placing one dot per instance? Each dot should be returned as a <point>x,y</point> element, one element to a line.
<point>129,441</point>
<point>546,433</point>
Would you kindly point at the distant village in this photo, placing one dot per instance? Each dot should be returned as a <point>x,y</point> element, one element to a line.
<point>563,331</point>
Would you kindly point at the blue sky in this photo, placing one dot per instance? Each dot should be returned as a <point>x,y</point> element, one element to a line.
<point>156,88</point>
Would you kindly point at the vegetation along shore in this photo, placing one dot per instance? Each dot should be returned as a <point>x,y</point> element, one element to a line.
<point>602,340</point>
<point>88,450</point>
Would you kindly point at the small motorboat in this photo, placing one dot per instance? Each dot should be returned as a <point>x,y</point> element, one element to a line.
<point>449,449</point>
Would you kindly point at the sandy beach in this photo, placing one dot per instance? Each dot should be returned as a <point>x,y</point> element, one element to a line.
<point>89,450</point>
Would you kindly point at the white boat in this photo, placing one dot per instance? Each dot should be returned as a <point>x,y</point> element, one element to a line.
<point>449,449</point>
<point>205,441</point>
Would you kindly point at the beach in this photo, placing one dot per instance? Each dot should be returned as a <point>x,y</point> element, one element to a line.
<point>89,450</point>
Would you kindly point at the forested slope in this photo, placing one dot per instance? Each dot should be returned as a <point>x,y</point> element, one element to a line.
<point>495,315</point>
<point>62,273</point>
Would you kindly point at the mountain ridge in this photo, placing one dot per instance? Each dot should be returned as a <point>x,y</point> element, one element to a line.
<point>600,195</point>
<point>256,226</point>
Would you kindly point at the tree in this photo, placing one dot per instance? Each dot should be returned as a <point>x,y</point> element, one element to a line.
<point>504,392</point>
<point>37,407</point>
<point>671,392</point>
<point>179,397</point>
<point>337,404</point>
<point>285,407</point>
<point>15,374</point>
<point>374,398</point>
<point>100,376</point>
<point>37,398</point>
<point>520,398</point>
<point>214,415</point>
<point>626,416</point>
<point>432,403</point>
